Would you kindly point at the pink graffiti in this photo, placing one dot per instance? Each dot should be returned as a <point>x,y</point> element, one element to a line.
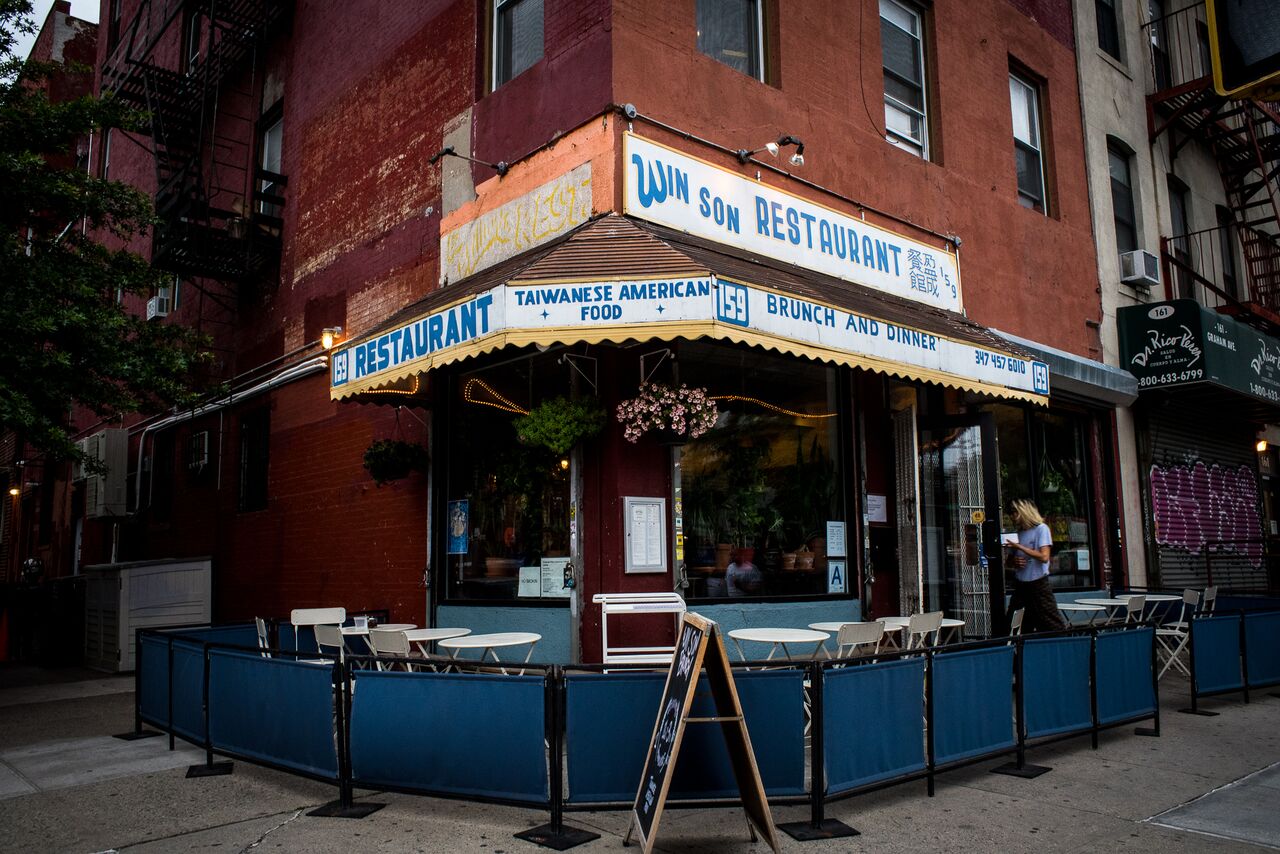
<point>1199,504</point>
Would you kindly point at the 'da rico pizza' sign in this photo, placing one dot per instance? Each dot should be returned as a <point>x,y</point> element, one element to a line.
<point>1179,343</point>
<point>701,305</point>
<point>681,192</point>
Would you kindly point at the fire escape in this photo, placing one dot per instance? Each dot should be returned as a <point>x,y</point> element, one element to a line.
<point>218,210</point>
<point>1243,137</point>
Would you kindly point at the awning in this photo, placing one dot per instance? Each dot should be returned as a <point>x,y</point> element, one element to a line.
<point>1076,375</point>
<point>618,280</point>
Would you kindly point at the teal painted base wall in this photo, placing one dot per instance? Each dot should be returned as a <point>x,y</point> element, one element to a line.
<point>551,623</point>
<point>776,615</point>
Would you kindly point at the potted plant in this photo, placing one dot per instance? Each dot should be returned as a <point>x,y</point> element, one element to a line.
<point>676,414</point>
<point>392,459</point>
<point>558,424</point>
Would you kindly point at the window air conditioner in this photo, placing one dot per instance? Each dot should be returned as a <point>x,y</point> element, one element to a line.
<point>158,305</point>
<point>1140,268</point>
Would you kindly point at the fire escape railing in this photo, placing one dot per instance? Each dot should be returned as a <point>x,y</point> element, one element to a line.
<point>1243,136</point>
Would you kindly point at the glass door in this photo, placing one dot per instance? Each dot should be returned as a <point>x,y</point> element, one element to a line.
<point>959,523</point>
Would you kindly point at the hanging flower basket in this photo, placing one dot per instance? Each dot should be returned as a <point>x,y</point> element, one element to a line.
<point>558,424</point>
<point>674,414</point>
<point>392,459</point>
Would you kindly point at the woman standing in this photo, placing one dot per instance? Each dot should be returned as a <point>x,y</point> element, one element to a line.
<point>1030,559</point>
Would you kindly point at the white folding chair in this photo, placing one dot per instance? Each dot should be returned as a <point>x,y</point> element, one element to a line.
<point>264,643</point>
<point>1207,603</point>
<point>300,617</point>
<point>920,626</point>
<point>1172,637</point>
<point>1015,622</point>
<point>1133,610</point>
<point>389,643</point>
<point>851,636</point>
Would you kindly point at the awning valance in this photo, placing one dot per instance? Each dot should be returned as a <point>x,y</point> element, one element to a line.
<point>615,280</point>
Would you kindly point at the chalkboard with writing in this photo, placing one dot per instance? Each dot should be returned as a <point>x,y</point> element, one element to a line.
<point>697,634</point>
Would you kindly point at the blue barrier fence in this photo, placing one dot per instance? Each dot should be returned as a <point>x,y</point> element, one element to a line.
<point>576,738</point>
<point>1233,652</point>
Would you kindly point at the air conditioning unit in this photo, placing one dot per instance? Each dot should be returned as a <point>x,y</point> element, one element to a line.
<point>198,450</point>
<point>1140,268</point>
<point>158,305</point>
<point>105,494</point>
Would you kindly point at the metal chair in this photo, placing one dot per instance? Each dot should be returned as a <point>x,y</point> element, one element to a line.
<point>854,635</point>
<point>920,626</point>
<point>1015,622</point>
<point>389,643</point>
<point>1133,610</point>
<point>300,617</point>
<point>264,642</point>
<point>1172,637</point>
<point>1208,601</point>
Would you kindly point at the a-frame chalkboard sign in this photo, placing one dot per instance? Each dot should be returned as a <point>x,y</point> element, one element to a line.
<point>700,646</point>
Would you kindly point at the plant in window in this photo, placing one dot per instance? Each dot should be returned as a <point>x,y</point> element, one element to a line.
<point>392,459</point>
<point>558,424</point>
<point>683,412</point>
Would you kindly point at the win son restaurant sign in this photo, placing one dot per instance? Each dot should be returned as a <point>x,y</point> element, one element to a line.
<point>673,189</point>
<point>1179,343</point>
<point>523,314</point>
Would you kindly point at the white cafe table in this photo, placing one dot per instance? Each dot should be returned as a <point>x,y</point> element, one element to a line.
<point>1159,597</point>
<point>899,624</point>
<point>1113,606</point>
<point>779,638</point>
<point>363,631</point>
<point>490,643</point>
<point>423,638</point>
<point>1070,608</point>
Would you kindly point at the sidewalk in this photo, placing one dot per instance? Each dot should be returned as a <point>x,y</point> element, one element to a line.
<point>66,785</point>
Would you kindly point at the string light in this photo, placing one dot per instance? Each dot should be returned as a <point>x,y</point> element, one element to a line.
<point>771,407</point>
<point>410,391</point>
<point>502,403</point>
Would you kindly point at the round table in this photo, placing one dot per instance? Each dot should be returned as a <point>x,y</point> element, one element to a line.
<point>1159,597</point>
<point>1113,606</point>
<point>490,643</point>
<point>896,624</point>
<point>423,638</point>
<point>391,627</point>
<point>779,638</point>
<point>1069,608</point>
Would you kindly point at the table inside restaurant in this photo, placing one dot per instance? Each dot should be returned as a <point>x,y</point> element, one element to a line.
<point>779,638</point>
<point>490,643</point>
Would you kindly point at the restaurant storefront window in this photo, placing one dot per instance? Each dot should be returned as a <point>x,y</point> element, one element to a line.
<point>1043,457</point>
<point>758,493</point>
<point>506,504</point>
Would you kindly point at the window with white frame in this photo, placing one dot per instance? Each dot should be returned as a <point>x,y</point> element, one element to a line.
<point>517,38</point>
<point>905,108</point>
<point>1122,208</point>
<point>270,141</point>
<point>732,32</point>
<point>1028,151</point>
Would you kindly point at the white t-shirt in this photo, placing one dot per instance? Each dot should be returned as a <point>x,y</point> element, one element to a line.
<point>1034,538</point>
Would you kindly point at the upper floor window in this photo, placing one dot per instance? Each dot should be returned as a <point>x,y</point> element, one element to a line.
<point>902,44</point>
<point>1108,27</point>
<point>255,444</point>
<point>270,143</point>
<point>732,32</point>
<point>1227,249</point>
<point>517,38</point>
<point>1122,198</point>
<point>1024,96</point>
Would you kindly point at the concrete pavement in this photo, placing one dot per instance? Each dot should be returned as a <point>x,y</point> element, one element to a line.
<point>1207,785</point>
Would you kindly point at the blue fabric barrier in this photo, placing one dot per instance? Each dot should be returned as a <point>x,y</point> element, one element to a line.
<point>1055,685</point>
<point>1215,650</point>
<point>273,710</point>
<point>1125,685</point>
<point>873,723</point>
<point>238,634</point>
<point>972,703</point>
<point>609,721</point>
<point>1262,644</point>
<point>154,679</point>
<point>455,733</point>
<point>188,689</point>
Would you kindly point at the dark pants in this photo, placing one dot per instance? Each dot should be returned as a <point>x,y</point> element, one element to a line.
<point>1041,612</point>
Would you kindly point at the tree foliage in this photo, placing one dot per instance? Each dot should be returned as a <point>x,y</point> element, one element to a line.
<point>68,337</point>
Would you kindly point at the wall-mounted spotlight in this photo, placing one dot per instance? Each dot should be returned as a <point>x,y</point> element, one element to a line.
<point>797,159</point>
<point>501,167</point>
<point>1261,446</point>
<point>329,335</point>
<point>15,491</point>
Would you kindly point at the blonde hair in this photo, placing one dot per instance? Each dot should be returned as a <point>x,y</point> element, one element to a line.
<point>1025,514</point>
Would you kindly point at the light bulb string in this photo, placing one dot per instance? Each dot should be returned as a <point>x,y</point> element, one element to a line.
<point>501,402</point>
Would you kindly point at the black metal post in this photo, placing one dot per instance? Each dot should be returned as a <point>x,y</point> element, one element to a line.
<point>928,714</point>
<point>818,826</point>
<point>209,768</point>
<point>1154,729</point>
<point>345,806</point>
<point>555,834</point>
<point>1019,767</point>
<point>137,732</point>
<point>1093,688</point>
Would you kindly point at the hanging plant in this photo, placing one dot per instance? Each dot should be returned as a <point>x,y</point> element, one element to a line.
<point>392,459</point>
<point>558,424</point>
<point>686,413</point>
